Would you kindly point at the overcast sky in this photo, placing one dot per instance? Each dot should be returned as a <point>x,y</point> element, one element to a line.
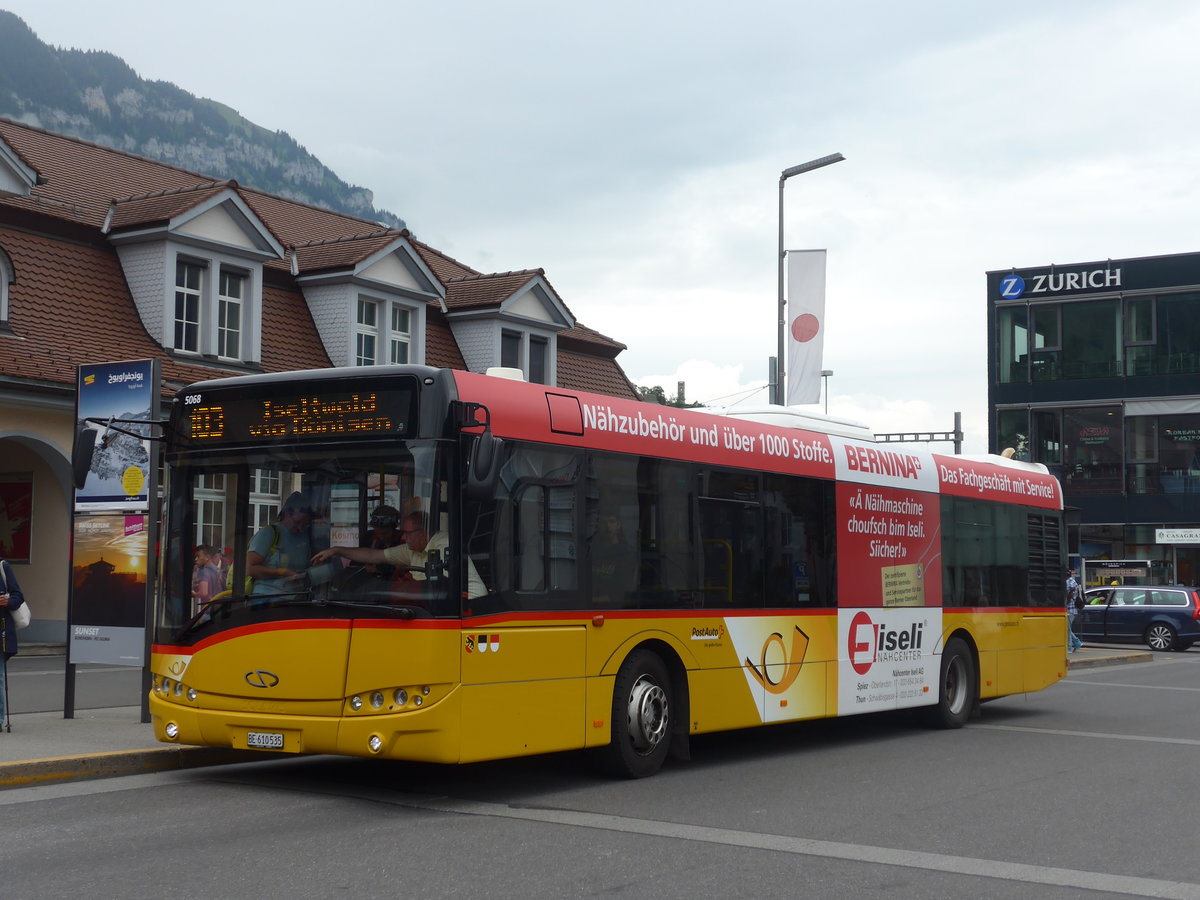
<point>633,151</point>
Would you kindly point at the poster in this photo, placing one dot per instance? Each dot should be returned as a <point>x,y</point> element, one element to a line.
<point>16,514</point>
<point>119,477</point>
<point>108,589</point>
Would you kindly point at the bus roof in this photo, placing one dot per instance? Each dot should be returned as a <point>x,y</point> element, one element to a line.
<point>793,417</point>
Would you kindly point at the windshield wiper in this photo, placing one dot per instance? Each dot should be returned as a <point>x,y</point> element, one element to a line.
<point>220,605</point>
<point>401,612</point>
<point>206,613</point>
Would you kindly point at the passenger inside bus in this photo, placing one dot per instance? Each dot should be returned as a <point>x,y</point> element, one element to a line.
<point>277,554</point>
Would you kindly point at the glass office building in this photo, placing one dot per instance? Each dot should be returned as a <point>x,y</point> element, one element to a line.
<point>1094,370</point>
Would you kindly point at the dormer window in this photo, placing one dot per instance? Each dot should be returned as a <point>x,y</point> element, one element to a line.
<point>366,333</point>
<point>230,294</point>
<point>207,323</point>
<point>194,263</point>
<point>528,352</point>
<point>187,306</point>
<point>382,332</point>
<point>401,335</point>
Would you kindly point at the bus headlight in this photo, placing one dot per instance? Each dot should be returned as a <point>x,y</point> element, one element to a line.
<point>192,695</point>
<point>171,730</point>
<point>377,700</point>
<point>400,696</point>
<point>375,743</point>
<point>356,703</point>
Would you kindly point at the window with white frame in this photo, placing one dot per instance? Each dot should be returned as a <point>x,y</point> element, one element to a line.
<point>210,509</point>
<point>231,294</point>
<point>383,332</point>
<point>366,333</point>
<point>265,497</point>
<point>211,309</point>
<point>401,335</point>
<point>188,277</point>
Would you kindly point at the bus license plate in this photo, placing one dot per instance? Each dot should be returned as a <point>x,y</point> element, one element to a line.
<point>264,740</point>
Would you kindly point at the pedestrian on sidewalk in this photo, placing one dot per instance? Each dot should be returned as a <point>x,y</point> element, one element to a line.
<point>10,598</point>
<point>1074,604</point>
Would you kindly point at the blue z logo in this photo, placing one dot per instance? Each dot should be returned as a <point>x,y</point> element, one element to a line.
<point>1011,287</point>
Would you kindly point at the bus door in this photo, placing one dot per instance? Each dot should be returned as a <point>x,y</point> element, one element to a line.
<point>523,663</point>
<point>731,540</point>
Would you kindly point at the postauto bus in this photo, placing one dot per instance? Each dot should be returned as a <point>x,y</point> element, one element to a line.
<point>596,572</point>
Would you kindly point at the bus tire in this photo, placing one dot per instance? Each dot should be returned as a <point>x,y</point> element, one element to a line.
<point>642,711</point>
<point>958,688</point>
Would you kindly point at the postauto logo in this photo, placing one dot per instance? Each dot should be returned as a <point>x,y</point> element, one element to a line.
<point>869,642</point>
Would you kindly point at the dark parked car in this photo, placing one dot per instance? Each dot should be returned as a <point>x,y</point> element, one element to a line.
<point>1166,617</point>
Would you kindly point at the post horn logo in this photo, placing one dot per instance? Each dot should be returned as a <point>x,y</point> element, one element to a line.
<point>793,662</point>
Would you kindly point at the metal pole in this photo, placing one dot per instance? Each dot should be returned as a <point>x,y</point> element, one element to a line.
<point>781,383</point>
<point>780,369</point>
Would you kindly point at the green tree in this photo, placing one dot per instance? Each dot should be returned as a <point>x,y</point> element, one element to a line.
<point>657,395</point>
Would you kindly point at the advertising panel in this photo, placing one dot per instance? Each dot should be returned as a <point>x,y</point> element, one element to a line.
<point>119,477</point>
<point>16,514</point>
<point>886,658</point>
<point>534,413</point>
<point>895,539</point>
<point>108,590</point>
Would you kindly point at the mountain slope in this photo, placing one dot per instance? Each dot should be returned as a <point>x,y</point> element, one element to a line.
<point>95,96</point>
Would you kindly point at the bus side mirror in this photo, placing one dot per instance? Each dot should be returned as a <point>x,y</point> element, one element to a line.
<point>82,453</point>
<point>483,466</point>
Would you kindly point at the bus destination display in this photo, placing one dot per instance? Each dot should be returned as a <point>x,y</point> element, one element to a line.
<point>228,418</point>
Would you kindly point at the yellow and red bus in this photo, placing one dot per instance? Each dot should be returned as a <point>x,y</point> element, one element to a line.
<point>608,574</point>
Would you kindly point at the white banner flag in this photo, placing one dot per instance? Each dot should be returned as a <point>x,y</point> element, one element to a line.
<point>806,324</point>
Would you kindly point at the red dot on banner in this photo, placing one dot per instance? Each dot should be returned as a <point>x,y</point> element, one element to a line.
<point>805,327</point>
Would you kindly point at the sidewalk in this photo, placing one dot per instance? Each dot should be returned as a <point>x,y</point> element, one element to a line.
<point>44,747</point>
<point>99,743</point>
<point>1088,657</point>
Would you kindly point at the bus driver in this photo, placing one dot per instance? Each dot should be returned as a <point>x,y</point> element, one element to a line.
<point>414,553</point>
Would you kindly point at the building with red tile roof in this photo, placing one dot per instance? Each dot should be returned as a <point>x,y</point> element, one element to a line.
<point>106,256</point>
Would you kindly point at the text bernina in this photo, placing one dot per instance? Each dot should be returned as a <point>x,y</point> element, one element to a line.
<point>1056,282</point>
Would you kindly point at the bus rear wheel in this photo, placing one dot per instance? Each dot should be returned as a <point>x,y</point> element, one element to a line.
<point>958,688</point>
<point>641,721</point>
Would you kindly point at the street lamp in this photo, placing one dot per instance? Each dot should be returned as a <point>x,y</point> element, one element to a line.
<point>780,380</point>
<point>825,373</point>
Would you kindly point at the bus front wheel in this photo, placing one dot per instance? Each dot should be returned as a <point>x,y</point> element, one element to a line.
<point>958,688</point>
<point>641,716</point>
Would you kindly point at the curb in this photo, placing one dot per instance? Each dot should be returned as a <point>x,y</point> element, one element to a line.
<point>57,769</point>
<point>37,649</point>
<point>1112,659</point>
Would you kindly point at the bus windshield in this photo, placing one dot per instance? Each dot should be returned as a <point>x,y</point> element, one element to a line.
<point>242,529</point>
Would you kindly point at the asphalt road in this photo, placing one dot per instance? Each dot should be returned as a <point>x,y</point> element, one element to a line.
<point>1083,790</point>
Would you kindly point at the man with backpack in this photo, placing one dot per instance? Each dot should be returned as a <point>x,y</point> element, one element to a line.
<point>1074,605</point>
